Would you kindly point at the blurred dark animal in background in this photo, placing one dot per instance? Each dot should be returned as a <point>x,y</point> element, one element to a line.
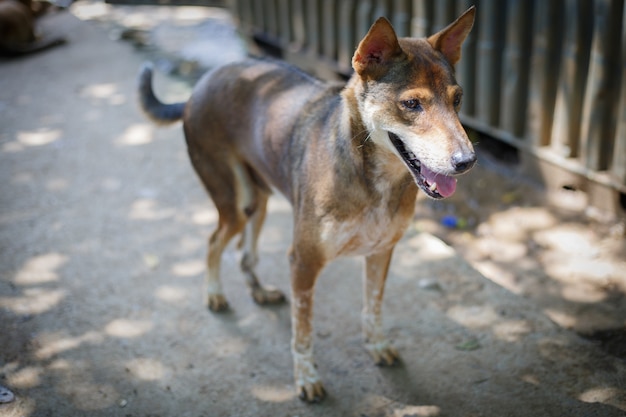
<point>18,34</point>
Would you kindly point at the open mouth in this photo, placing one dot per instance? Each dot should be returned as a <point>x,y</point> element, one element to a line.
<point>434,185</point>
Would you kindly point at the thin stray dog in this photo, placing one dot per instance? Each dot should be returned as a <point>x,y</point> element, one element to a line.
<point>349,159</point>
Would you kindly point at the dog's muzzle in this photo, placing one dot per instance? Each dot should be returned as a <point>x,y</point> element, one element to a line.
<point>435,185</point>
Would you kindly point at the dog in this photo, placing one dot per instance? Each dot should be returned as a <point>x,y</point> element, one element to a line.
<point>350,159</point>
<point>17,28</point>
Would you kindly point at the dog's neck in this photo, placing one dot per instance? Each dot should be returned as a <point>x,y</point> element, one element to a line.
<point>375,162</point>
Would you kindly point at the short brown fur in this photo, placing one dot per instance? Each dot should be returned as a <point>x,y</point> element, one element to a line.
<point>348,158</point>
<point>17,28</point>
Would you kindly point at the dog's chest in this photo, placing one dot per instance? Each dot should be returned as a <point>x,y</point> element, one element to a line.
<point>370,231</point>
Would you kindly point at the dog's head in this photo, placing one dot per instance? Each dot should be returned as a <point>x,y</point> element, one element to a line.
<point>409,100</point>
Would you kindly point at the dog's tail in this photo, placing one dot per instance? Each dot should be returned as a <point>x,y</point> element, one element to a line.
<point>159,112</point>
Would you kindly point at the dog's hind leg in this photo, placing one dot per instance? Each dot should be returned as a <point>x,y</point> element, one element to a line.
<point>220,177</point>
<point>228,226</point>
<point>250,258</point>
<point>376,267</point>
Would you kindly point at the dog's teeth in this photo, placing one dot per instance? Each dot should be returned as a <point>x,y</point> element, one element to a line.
<point>433,187</point>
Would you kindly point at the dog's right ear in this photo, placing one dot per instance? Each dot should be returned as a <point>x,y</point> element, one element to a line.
<point>377,49</point>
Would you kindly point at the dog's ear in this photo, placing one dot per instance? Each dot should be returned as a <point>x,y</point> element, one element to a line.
<point>377,50</point>
<point>448,41</point>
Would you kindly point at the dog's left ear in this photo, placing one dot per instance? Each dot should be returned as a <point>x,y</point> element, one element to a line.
<point>448,41</point>
<point>377,50</point>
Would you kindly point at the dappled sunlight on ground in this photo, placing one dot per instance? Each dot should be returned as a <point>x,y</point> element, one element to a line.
<point>573,266</point>
<point>125,328</point>
<point>148,209</point>
<point>417,410</point>
<point>189,268</point>
<point>390,407</point>
<point>204,217</point>
<point>40,269</point>
<point>171,294</point>
<point>103,94</point>
<point>53,344</point>
<point>512,330</point>
<point>33,301</point>
<point>604,395</point>
<point>274,394</point>
<point>474,317</point>
<point>136,135</point>
<point>137,16</point>
<point>483,316</point>
<point>146,369</point>
<point>26,139</point>
<point>26,377</point>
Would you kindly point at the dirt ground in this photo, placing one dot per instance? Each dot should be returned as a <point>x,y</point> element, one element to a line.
<point>519,310</point>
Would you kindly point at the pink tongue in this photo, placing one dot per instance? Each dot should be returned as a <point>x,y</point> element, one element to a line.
<point>445,185</point>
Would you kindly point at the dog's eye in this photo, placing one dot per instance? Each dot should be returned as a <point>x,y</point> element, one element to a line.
<point>412,104</point>
<point>457,102</point>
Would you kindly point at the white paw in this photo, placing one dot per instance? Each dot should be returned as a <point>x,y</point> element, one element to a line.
<point>308,383</point>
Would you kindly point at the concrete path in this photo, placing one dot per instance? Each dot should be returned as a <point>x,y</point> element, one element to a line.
<point>103,229</point>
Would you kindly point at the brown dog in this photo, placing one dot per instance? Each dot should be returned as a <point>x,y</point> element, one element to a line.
<point>17,28</point>
<point>347,158</point>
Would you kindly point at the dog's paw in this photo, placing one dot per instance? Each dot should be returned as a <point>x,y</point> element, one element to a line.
<point>217,302</point>
<point>312,392</point>
<point>308,383</point>
<point>267,296</point>
<point>383,353</point>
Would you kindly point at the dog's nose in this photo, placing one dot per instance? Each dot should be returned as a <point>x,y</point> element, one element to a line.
<point>463,161</point>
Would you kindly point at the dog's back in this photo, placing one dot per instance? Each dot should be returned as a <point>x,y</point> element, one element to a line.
<point>278,98</point>
<point>284,103</point>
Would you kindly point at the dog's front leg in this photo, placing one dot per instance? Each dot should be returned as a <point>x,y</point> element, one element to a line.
<point>376,267</point>
<point>304,271</point>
